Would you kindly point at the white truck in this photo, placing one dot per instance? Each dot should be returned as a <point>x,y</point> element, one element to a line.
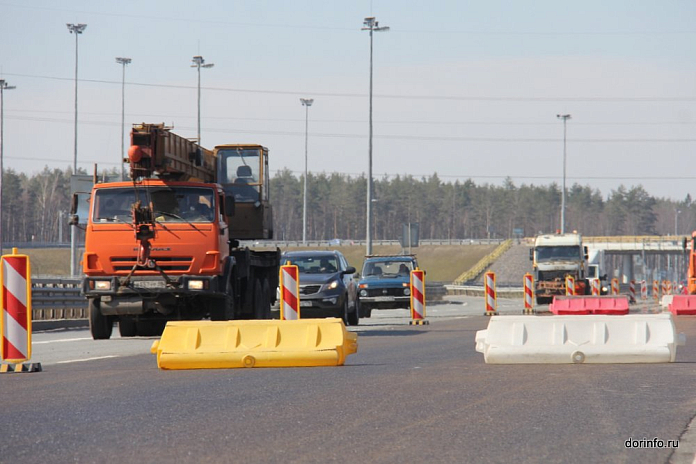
<point>554,257</point>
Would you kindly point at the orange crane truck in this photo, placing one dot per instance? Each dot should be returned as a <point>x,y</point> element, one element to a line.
<point>165,245</point>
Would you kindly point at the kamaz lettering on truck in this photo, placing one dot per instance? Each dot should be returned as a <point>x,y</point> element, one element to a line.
<point>554,257</point>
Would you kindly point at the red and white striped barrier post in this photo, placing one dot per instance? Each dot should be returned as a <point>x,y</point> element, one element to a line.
<point>570,285</point>
<point>669,287</point>
<point>289,293</point>
<point>491,298</point>
<point>528,294</point>
<point>656,290</point>
<point>596,288</point>
<point>664,288</point>
<point>614,286</point>
<point>632,290</point>
<point>15,321</point>
<point>643,290</point>
<point>418,297</point>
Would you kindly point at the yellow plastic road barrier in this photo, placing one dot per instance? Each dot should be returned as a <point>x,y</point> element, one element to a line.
<point>260,343</point>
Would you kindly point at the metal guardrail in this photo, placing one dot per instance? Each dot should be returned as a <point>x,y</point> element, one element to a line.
<point>57,298</point>
<point>337,242</point>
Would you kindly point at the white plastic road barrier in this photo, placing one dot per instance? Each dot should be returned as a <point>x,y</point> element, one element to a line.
<point>634,338</point>
<point>665,301</point>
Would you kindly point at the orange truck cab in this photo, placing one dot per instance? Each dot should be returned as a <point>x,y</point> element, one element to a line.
<point>164,247</point>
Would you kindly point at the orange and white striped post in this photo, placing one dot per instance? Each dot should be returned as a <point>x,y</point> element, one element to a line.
<point>528,294</point>
<point>15,321</point>
<point>643,290</point>
<point>289,293</point>
<point>570,285</point>
<point>596,289</point>
<point>632,290</point>
<point>664,288</point>
<point>418,297</point>
<point>656,290</point>
<point>491,298</point>
<point>614,286</point>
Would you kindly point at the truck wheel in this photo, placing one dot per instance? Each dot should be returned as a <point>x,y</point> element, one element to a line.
<point>222,309</point>
<point>150,328</point>
<point>126,326</point>
<point>99,325</point>
<point>262,306</point>
<point>354,317</point>
<point>266,299</point>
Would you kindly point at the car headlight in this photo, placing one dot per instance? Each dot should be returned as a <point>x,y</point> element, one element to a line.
<point>407,291</point>
<point>363,292</point>
<point>102,285</point>
<point>331,285</point>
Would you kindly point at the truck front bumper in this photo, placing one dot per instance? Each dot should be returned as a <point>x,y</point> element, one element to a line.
<point>140,293</point>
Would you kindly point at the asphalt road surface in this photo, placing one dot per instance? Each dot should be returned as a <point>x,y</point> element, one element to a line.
<point>410,394</point>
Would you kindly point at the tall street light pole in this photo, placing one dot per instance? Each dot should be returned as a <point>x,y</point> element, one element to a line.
<point>76,29</point>
<point>124,62</point>
<point>677,212</point>
<point>3,86</point>
<point>565,118</point>
<point>199,62</point>
<point>370,25</point>
<point>306,102</point>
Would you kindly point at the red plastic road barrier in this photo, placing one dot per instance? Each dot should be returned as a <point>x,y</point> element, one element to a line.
<point>417,295</point>
<point>611,305</point>
<point>491,299</point>
<point>528,293</point>
<point>15,321</point>
<point>683,305</point>
<point>289,293</point>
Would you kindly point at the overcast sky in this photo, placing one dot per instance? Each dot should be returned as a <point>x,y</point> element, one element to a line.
<point>461,89</point>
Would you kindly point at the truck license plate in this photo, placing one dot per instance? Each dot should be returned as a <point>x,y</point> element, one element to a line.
<point>148,284</point>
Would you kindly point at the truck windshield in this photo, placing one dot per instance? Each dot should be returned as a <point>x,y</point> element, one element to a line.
<point>558,253</point>
<point>240,167</point>
<point>170,204</point>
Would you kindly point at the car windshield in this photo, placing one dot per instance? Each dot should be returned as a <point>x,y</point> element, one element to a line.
<point>314,264</point>
<point>170,204</point>
<point>387,268</point>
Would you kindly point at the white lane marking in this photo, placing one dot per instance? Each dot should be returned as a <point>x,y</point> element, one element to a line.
<point>87,359</point>
<point>61,340</point>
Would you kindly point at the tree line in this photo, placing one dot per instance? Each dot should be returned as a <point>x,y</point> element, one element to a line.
<point>35,208</point>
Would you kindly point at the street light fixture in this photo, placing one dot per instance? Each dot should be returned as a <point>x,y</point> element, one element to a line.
<point>3,86</point>
<point>76,29</point>
<point>565,118</point>
<point>199,62</point>
<point>306,102</point>
<point>371,24</point>
<point>124,62</point>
